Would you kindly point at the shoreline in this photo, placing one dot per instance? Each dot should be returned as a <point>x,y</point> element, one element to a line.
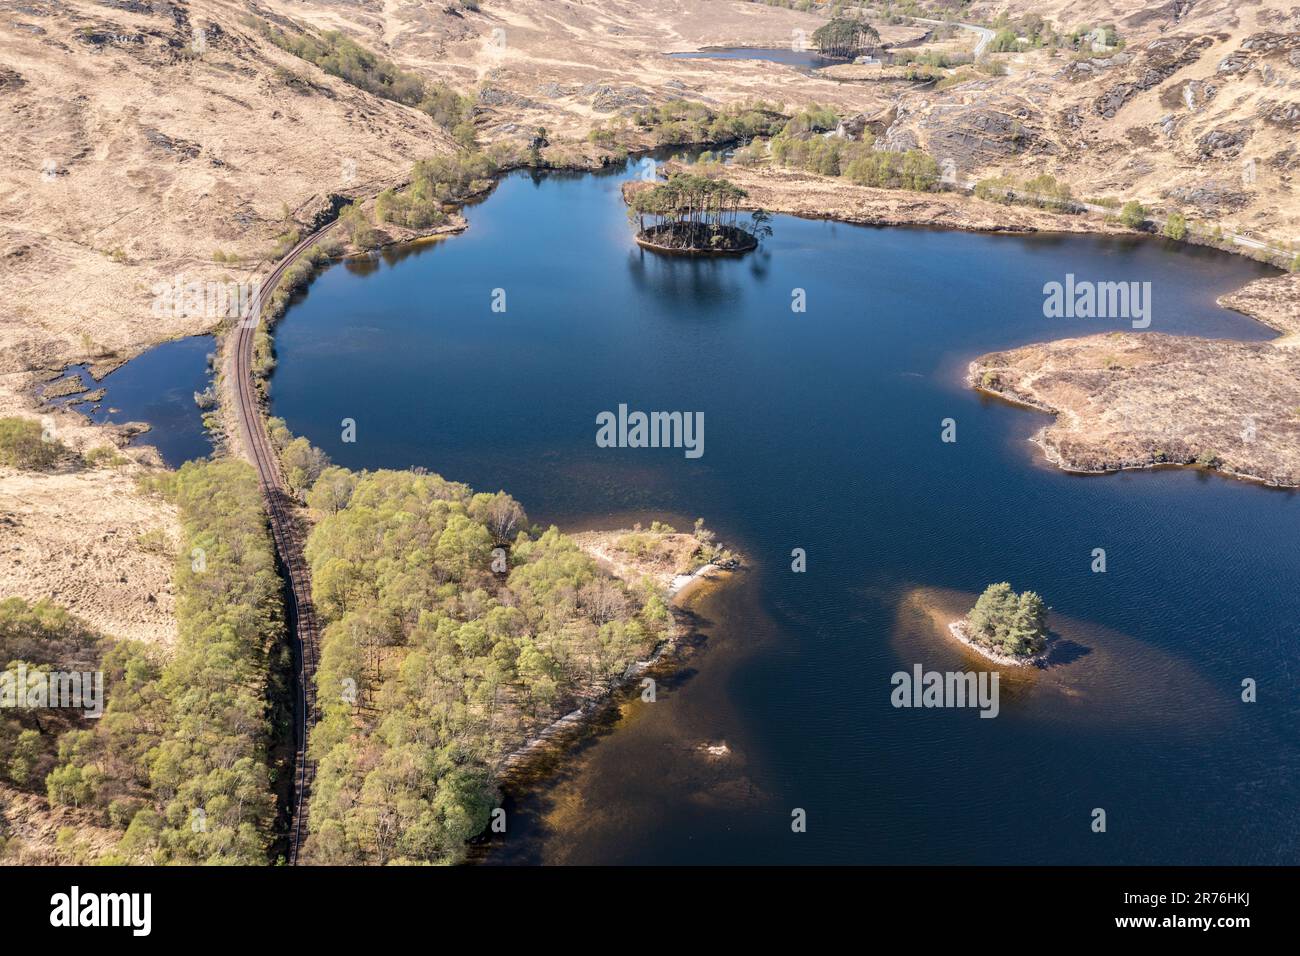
<point>553,738</point>
<point>915,219</point>
<point>958,629</point>
<point>681,584</point>
<point>692,252</point>
<point>1114,401</point>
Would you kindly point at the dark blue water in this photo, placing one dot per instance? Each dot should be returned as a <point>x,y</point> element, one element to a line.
<point>805,60</point>
<point>157,387</point>
<point>822,432</point>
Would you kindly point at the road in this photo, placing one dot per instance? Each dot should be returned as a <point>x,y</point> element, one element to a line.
<point>1235,238</point>
<point>984,34</point>
<point>288,534</point>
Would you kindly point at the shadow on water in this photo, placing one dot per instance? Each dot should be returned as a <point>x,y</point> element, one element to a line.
<point>687,282</point>
<point>539,795</point>
<point>1062,651</point>
<point>575,790</point>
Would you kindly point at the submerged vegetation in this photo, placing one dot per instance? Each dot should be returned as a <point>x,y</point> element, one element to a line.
<point>452,632</point>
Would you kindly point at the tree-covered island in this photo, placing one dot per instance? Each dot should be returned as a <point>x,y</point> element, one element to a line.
<point>694,215</point>
<point>1005,626</point>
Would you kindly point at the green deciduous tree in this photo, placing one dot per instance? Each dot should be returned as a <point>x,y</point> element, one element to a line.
<point>24,445</point>
<point>183,749</point>
<point>433,666</point>
<point>1176,226</point>
<point>1133,214</point>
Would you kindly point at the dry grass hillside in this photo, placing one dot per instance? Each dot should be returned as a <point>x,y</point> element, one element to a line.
<point>1198,112</point>
<point>1137,401</point>
<point>140,139</point>
<point>137,140</point>
<point>567,64</point>
<point>148,141</point>
<point>145,135</point>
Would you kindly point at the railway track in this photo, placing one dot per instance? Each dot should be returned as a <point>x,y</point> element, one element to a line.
<point>288,534</point>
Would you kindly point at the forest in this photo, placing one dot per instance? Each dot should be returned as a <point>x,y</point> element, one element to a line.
<point>453,630</point>
<point>180,765</point>
<point>43,637</point>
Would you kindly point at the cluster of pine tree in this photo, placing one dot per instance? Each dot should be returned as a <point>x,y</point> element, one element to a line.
<point>1008,622</point>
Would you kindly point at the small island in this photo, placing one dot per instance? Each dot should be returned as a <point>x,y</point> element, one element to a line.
<point>694,216</point>
<point>1006,627</point>
<point>845,37</point>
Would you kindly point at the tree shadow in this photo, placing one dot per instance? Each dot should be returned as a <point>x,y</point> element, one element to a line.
<point>1062,651</point>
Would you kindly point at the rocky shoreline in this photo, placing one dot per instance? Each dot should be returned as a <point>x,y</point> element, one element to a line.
<point>1146,400</point>
<point>960,629</point>
<point>809,196</point>
<point>559,731</point>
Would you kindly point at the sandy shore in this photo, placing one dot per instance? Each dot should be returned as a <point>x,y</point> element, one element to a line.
<point>1092,675</point>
